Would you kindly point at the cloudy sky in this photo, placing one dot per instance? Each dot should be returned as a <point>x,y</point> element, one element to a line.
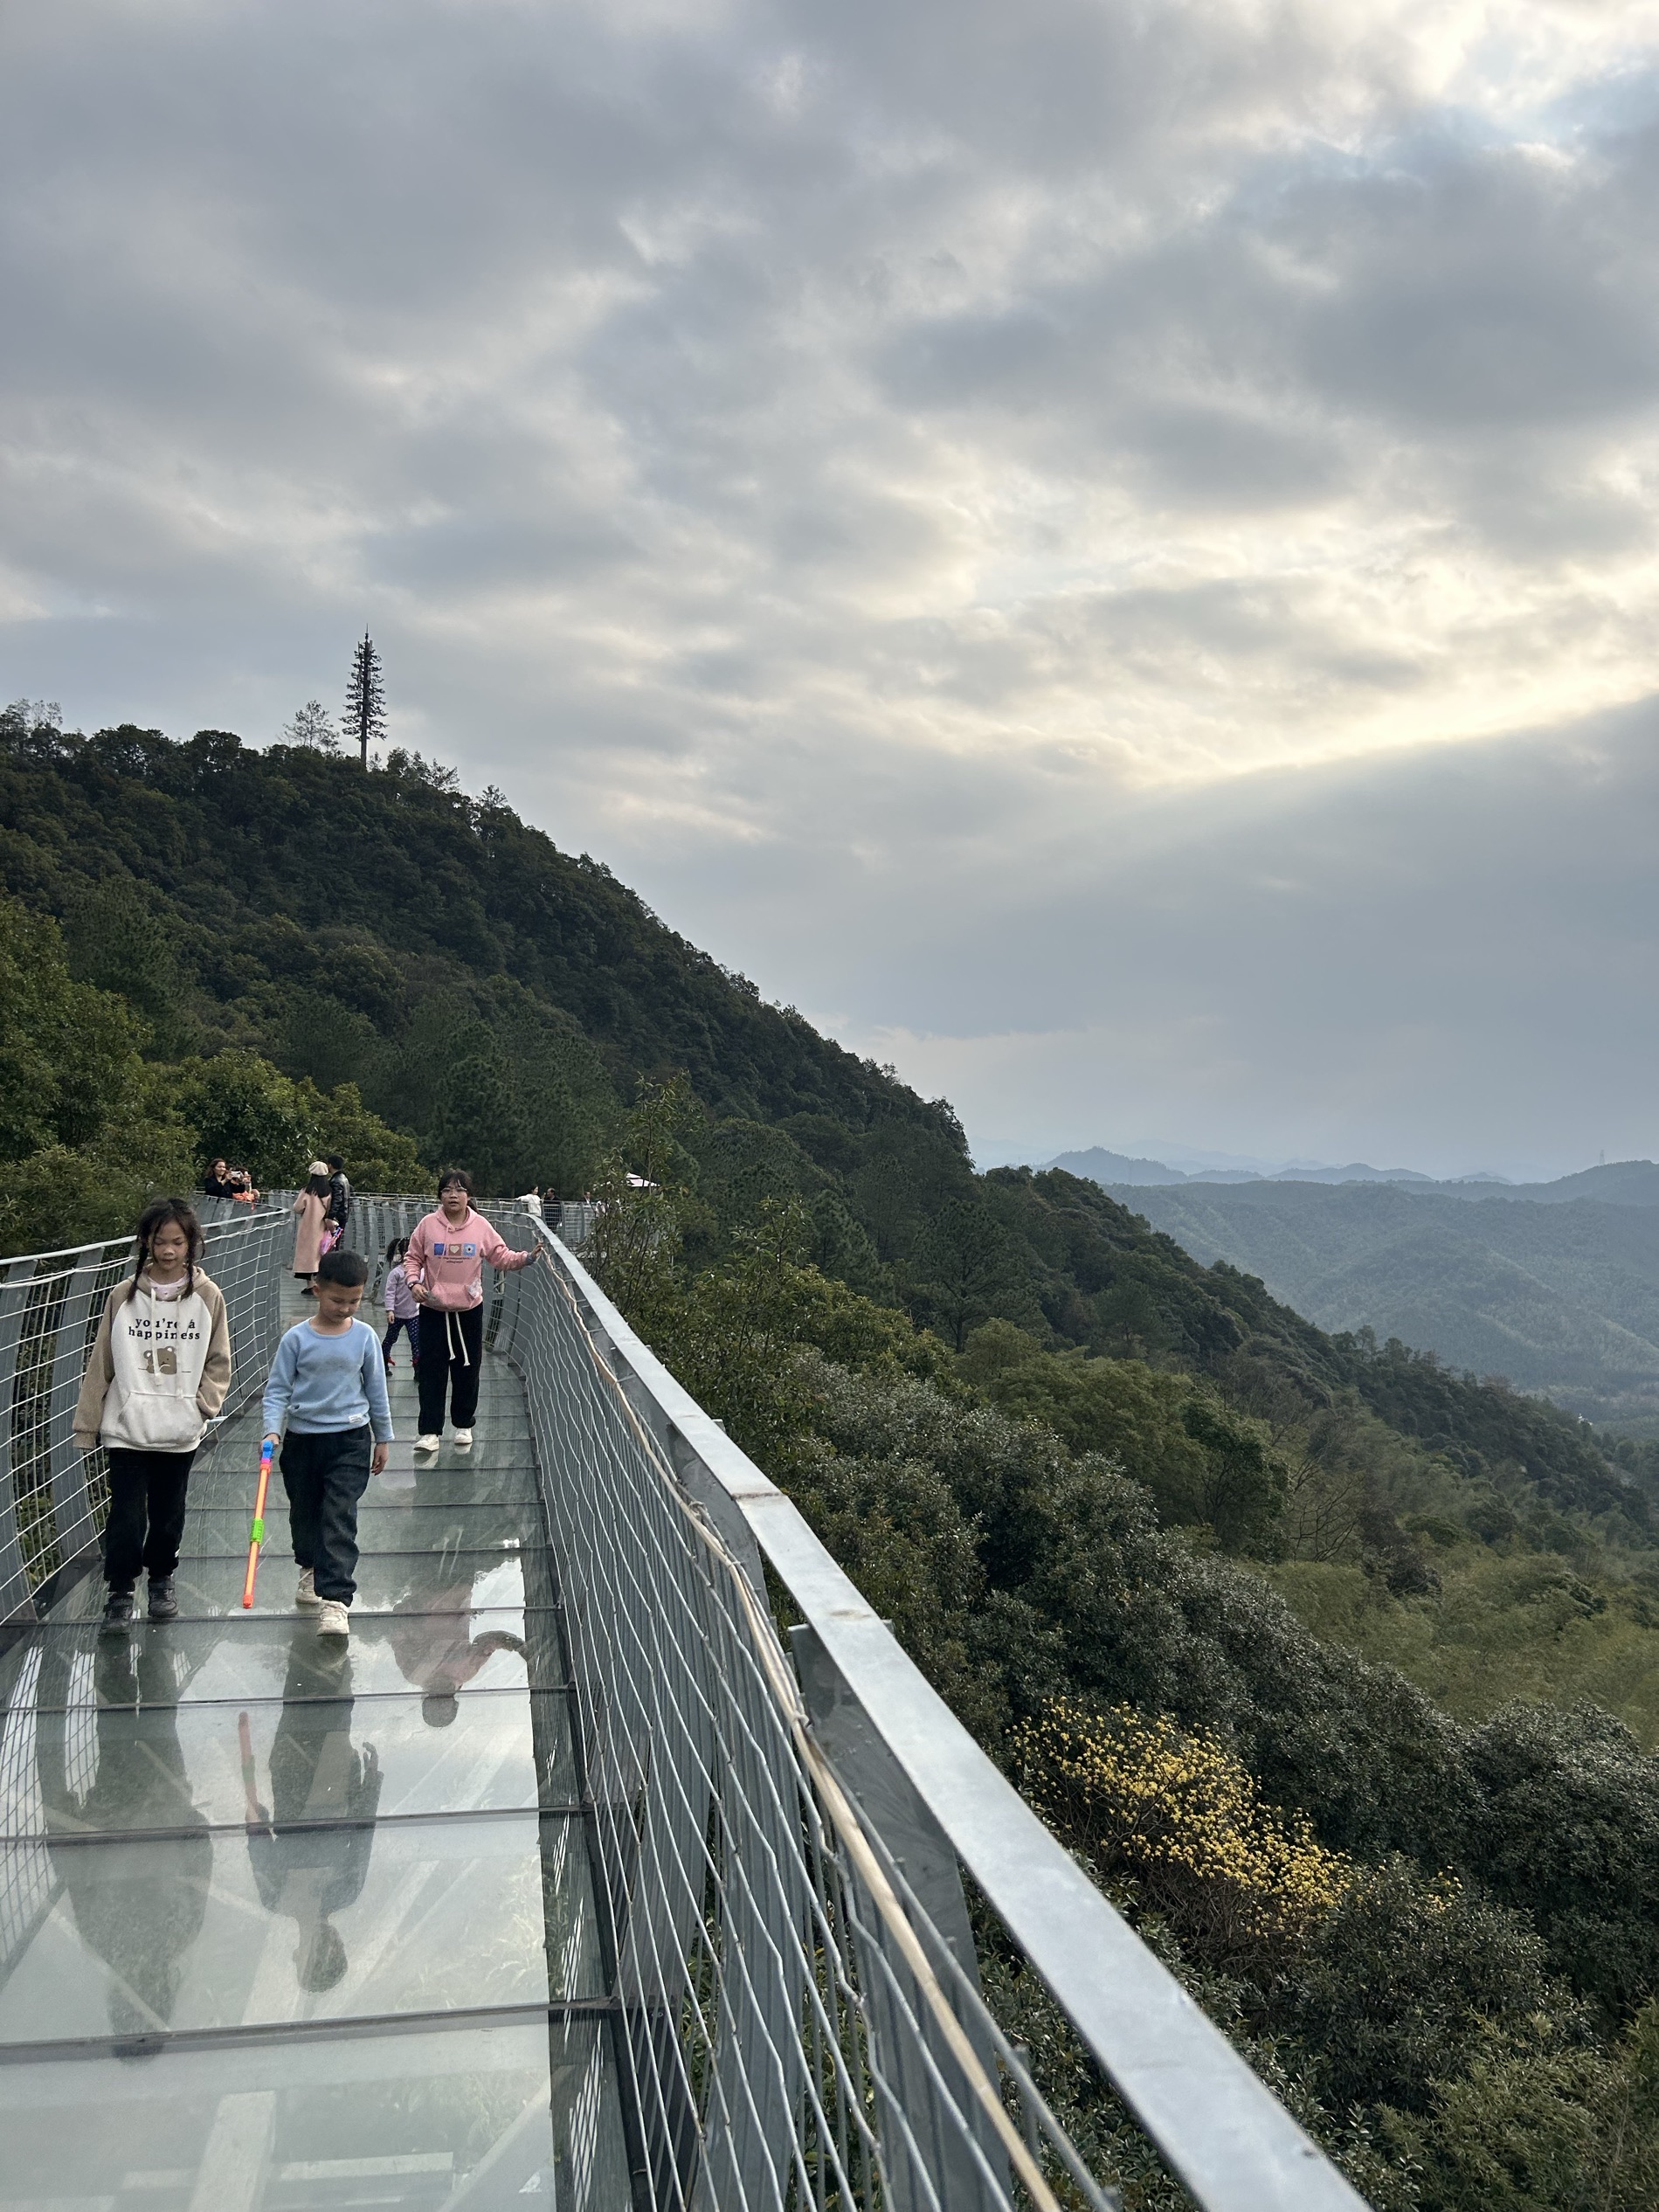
<point>1105,550</point>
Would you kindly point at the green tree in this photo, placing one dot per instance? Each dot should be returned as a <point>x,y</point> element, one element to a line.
<point>310,725</point>
<point>963,1268</point>
<point>365,715</point>
<point>116,940</point>
<point>248,1112</point>
<point>83,1141</point>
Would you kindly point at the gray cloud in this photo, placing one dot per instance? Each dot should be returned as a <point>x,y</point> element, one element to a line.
<point>992,519</point>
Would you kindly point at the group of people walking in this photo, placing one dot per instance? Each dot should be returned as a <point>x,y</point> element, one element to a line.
<point>160,1370</point>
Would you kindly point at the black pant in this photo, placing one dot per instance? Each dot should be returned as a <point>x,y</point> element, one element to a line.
<point>411,1328</point>
<point>324,1476</point>
<point>144,1487</point>
<point>451,1343</point>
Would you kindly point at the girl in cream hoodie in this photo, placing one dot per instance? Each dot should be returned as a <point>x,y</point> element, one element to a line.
<point>158,1374</point>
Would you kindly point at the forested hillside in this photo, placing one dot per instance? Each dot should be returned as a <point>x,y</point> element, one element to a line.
<point>1102,1488</point>
<point>1561,1296</point>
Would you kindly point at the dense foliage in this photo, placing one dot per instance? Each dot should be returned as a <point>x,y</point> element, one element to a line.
<point>486,993</point>
<point>1439,1941</point>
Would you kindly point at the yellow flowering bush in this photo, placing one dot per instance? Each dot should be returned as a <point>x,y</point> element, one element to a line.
<point>1173,1808</point>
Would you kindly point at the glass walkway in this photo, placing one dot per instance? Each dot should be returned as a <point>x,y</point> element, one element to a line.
<point>293,1923</point>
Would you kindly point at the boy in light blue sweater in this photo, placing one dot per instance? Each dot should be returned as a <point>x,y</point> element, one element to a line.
<point>327,1387</point>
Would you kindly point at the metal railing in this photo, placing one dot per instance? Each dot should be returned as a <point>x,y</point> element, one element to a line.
<point>51,1497</point>
<point>781,1847</point>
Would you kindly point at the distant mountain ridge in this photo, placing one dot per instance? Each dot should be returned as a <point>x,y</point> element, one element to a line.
<point>1554,1287</point>
<point>1612,1183</point>
<point>1100,1165</point>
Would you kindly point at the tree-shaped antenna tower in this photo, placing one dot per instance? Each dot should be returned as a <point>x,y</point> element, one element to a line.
<point>365,715</point>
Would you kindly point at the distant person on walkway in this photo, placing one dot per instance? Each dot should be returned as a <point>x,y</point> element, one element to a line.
<point>531,1200</point>
<point>328,1391</point>
<point>312,1207</point>
<point>216,1182</point>
<point>402,1313</point>
<point>158,1374</point>
<point>339,1194</point>
<point>444,1267</point>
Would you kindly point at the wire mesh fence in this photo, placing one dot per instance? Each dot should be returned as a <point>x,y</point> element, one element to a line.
<point>53,1498</point>
<point>792,2029</point>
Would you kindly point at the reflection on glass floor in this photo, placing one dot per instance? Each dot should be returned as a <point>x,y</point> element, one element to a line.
<point>285,1924</point>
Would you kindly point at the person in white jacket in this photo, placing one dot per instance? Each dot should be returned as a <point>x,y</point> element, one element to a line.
<point>158,1373</point>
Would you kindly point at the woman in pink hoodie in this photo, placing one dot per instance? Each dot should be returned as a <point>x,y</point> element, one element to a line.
<point>443,1267</point>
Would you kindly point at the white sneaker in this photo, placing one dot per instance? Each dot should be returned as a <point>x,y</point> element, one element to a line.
<point>427,1443</point>
<point>464,1438</point>
<point>306,1593</point>
<point>334,1620</point>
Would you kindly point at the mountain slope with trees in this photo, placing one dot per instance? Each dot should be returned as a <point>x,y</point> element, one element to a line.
<point>1561,1296</point>
<point>488,992</point>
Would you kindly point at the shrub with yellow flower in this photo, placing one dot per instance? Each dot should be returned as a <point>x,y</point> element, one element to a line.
<point>1176,1810</point>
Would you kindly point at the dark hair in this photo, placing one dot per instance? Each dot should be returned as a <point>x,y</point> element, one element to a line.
<point>348,1269</point>
<point>156,1215</point>
<point>453,1177</point>
<point>319,1185</point>
<point>396,1249</point>
<point>438,1708</point>
<point>336,1165</point>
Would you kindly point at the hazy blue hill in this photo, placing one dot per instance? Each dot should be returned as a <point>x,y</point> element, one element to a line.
<point>1616,1183</point>
<point>1098,1166</point>
<point>1562,1296</point>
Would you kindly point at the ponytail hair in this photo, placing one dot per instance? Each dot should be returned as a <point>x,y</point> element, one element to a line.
<point>156,1216</point>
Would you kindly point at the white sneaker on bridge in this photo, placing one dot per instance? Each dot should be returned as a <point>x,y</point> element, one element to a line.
<point>427,1443</point>
<point>306,1593</point>
<point>464,1438</point>
<point>333,1620</point>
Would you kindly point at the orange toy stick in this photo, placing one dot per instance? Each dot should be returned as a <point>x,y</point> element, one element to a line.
<point>256,1534</point>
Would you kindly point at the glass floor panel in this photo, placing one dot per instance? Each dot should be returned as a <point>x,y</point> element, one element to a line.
<point>437,1651</point>
<point>442,1482</point>
<point>228,1827</point>
<point>487,2118</point>
<point>92,1771</point>
<point>394,1522</point>
<point>227,1482</point>
<point>387,1582</point>
<point>332,1922</point>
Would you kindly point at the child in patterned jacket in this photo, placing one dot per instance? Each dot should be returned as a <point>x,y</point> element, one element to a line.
<point>402,1311</point>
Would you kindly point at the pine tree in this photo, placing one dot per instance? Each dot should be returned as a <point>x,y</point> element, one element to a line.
<point>365,715</point>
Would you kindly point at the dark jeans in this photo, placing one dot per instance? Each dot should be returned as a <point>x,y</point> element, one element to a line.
<point>410,1328</point>
<point>324,1476</point>
<point>451,1343</point>
<point>145,1488</point>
